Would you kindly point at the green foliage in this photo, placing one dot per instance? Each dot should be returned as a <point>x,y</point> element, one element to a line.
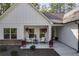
<point>3,49</point>
<point>43,10</point>
<point>55,6</point>
<point>14,53</point>
<point>32,47</point>
<point>4,6</point>
<point>36,5</point>
<point>7,6</point>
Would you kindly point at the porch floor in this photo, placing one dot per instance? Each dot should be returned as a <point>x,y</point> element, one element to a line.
<point>59,47</point>
<point>38,46</point>
<point>64,50</point>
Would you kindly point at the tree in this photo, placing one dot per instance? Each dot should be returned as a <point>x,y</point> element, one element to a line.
<point>60,7</point>
<point>55,7</point>
<point>4,7</point>
<point>36,5</point>
<point>71,5</point>
<point>43,10</point>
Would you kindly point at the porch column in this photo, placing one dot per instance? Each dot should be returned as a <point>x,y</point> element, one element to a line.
<point>50,32</point>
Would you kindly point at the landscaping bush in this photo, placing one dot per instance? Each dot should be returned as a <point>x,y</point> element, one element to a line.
<point>14,53</point>
<point>3,49</point>
<point>32,47</point>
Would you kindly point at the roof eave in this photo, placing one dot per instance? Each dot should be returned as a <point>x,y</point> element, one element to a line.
<point>41,14</point>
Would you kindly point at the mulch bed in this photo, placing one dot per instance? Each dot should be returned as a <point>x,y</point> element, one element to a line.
<point>28,52</point>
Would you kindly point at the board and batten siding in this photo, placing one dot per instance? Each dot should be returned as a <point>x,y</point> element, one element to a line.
<point>22,14</point>
<point>68,34</point>
<point>20,30</point>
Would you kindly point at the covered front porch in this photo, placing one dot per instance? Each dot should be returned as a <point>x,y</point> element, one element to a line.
<point>38,46</point>
<point>38,34</point>
<point>58,46</point>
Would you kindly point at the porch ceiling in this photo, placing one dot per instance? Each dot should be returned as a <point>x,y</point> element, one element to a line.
<point>57,24</point>
<point>35,25</point>
<point>25,26</point>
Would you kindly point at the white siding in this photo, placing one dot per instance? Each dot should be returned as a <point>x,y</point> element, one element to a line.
<point>22,14</point>
<point>20,33</point>
<point>20,30</point>
<point>1,34</point>
<point>69,35</point>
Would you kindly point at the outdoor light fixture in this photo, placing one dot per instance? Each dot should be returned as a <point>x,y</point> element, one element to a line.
<point>77,22</point>
<point>27,29</point>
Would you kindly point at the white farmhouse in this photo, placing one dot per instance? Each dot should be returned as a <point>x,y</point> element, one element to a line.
<point>22,22</point>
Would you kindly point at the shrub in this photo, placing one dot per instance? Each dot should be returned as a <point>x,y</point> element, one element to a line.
<point>14,53</point>
<point>3,49</point>
<point>32,47</point>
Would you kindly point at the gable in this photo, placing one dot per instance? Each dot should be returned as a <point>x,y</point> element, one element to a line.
<point>24,14</point>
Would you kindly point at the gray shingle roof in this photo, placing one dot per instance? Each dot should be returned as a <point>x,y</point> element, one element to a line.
<point>57,16</point>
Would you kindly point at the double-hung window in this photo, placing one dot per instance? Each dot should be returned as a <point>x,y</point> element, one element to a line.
<point>6,33</point>
<point>10,33</point>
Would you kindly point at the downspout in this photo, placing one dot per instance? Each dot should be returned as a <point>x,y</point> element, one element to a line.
<point>78,38</point>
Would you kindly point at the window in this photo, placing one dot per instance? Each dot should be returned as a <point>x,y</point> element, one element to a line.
<point>42,32</point>
<point>31,33</point>
<point>6,33</point>
<point>10,33</point>
<point>13,33</point>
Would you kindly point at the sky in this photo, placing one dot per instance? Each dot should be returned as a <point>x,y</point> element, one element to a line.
<point>42,4</point>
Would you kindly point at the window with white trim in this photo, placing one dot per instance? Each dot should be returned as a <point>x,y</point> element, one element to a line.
<point>10,33</point>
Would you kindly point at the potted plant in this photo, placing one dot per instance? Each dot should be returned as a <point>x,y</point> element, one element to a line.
<point>23,42</point>
<point>33,47</point>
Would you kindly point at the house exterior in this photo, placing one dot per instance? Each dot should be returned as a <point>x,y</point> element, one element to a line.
<point>23,22</point>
